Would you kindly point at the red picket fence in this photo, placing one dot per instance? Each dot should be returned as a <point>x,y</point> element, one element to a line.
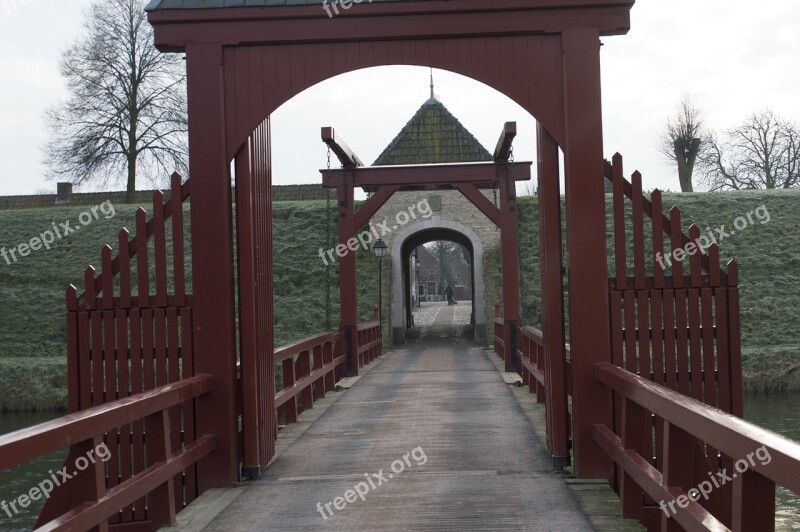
<point>673,323</point>
<point>130,331</point>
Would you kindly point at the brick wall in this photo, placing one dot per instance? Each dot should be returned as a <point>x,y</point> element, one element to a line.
<point>38,201</point>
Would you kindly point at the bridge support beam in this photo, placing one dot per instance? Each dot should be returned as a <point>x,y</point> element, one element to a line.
<point>214,316</point>
<point>586,244</point>
<point>347,271</point>
<point>510,259</point>
<point>550,242</point>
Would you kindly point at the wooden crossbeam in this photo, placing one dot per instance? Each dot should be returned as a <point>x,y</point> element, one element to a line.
<point>343,152</point>
<point>502,153</point>
<point>480,201</point>
<point>427,177</point>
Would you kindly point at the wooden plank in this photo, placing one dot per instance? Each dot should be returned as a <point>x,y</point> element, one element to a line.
<point>694,252</point>
<point>107,276</point>
<point>630,331</point>
<point>123,390</point>
<point>620,241</point>
<point>173,366</point>
<point>657,221</point>
<point>682,342</point>
<point>160,249</point>
<point>124,261</point>
<point>97,358</point>
<point>676,243</point>
<point>178,259</point>
<point>90,296</point>
<point>670,352</point>
<point>643,315</point>
<point>137,386</point>
<point>160,339</point>
<point>187,365</point>
<point>735,345</point>
<point>111,384</point>
<point>142,264</point>
<point>695,355</point>
<point>637,208</point>
<point>85,359</point>
<point>73,351</point>
<point>723,349</point>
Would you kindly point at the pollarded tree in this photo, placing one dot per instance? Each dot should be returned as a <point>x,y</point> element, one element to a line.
<point>126,115</point>
<point>763,152</point>
<point>684,142</point>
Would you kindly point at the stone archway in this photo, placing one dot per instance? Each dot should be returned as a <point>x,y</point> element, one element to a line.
<point>398,273</point>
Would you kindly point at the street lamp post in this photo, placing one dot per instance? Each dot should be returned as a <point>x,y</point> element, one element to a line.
<point>380,250</point>
<point>417,266</point>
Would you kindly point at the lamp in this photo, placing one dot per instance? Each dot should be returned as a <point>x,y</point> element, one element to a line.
<point>380,250</point>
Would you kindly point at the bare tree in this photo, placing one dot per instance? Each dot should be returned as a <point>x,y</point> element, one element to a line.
<point>684,141</point>
<point>125,116</point>
<point>763,152</point>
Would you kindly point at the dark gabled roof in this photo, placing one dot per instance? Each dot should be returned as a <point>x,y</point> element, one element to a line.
<point>218,4</point>
<point>433,136</point>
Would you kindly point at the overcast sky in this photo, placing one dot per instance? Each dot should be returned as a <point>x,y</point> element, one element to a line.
<point>733,57</point>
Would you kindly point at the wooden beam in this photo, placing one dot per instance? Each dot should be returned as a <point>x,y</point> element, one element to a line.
<point>374,204</point>
<point>343,152</point>
<point>483,204</point>
<point>443,176</point>
<point>502,153</point>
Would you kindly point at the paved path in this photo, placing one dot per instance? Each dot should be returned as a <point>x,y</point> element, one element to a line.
<point>443,415</point>
<point>439,322</point>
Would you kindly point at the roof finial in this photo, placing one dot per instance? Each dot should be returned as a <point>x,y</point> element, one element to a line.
<point>432,95</point>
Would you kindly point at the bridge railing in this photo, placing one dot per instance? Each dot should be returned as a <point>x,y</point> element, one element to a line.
<point>87,429</point>
<point>310,369</point>
<point>738,463</point>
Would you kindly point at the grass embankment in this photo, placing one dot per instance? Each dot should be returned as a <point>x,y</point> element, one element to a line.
<point>32,349</point>
<point>32,304</point>
<point>768,255</point>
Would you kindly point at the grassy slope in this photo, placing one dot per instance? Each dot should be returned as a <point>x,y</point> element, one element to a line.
<point>769,263</point>
<point>32,350</point>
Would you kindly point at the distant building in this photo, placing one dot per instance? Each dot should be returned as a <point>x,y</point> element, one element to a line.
<point>435,136</point>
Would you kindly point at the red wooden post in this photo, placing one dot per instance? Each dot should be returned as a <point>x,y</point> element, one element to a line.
<point>753,502</point>
<point>252,430</point>
<point>347,275</point>
<point>552,298</point>
<point>510,259</point>
<point>212,264</point>
<point>161,501</point>
<point>635,425</point>
<point>586,223</point>
<point>678,469</point>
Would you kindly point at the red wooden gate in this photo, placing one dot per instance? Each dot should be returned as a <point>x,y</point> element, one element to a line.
<point>676,326</point>
<point>131,331</point>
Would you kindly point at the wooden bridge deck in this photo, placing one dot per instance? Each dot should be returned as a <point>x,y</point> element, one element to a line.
<point>478,465</point>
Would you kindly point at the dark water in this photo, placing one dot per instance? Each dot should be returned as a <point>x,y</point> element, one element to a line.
<point>20,480</point>
<point>778,413</point>
<point>781,414</point>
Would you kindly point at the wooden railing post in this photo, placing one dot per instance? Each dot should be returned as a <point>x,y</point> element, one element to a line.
<point>303,365</point>
<point>288,381</point>
<point>161,501</point>
<point>678,470</point>
<point>635,425</point>
<point>753,502</point>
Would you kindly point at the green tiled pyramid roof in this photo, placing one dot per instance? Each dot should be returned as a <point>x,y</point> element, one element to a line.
<point>433,136</point>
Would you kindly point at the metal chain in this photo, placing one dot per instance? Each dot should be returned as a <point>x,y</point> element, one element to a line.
<point>328,232</point>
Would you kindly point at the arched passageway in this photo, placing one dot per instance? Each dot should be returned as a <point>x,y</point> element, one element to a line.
<point>402,248</point>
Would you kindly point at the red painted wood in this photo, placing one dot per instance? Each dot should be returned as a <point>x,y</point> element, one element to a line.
<point>142,264</point>
<point>676,239</point>
<point>588,277</point>
<point>682,342</point>
<point>620,241</point>
<point>178,259</point>
<point>123,390</point>
<point>670,348</point>
<point>695,354</point>
<point>212,264</point>
<point>638,230</point>
<point>657,221</point>
<point>107,277</point>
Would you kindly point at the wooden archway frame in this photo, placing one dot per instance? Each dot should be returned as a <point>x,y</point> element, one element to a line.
<point>243,63</point>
